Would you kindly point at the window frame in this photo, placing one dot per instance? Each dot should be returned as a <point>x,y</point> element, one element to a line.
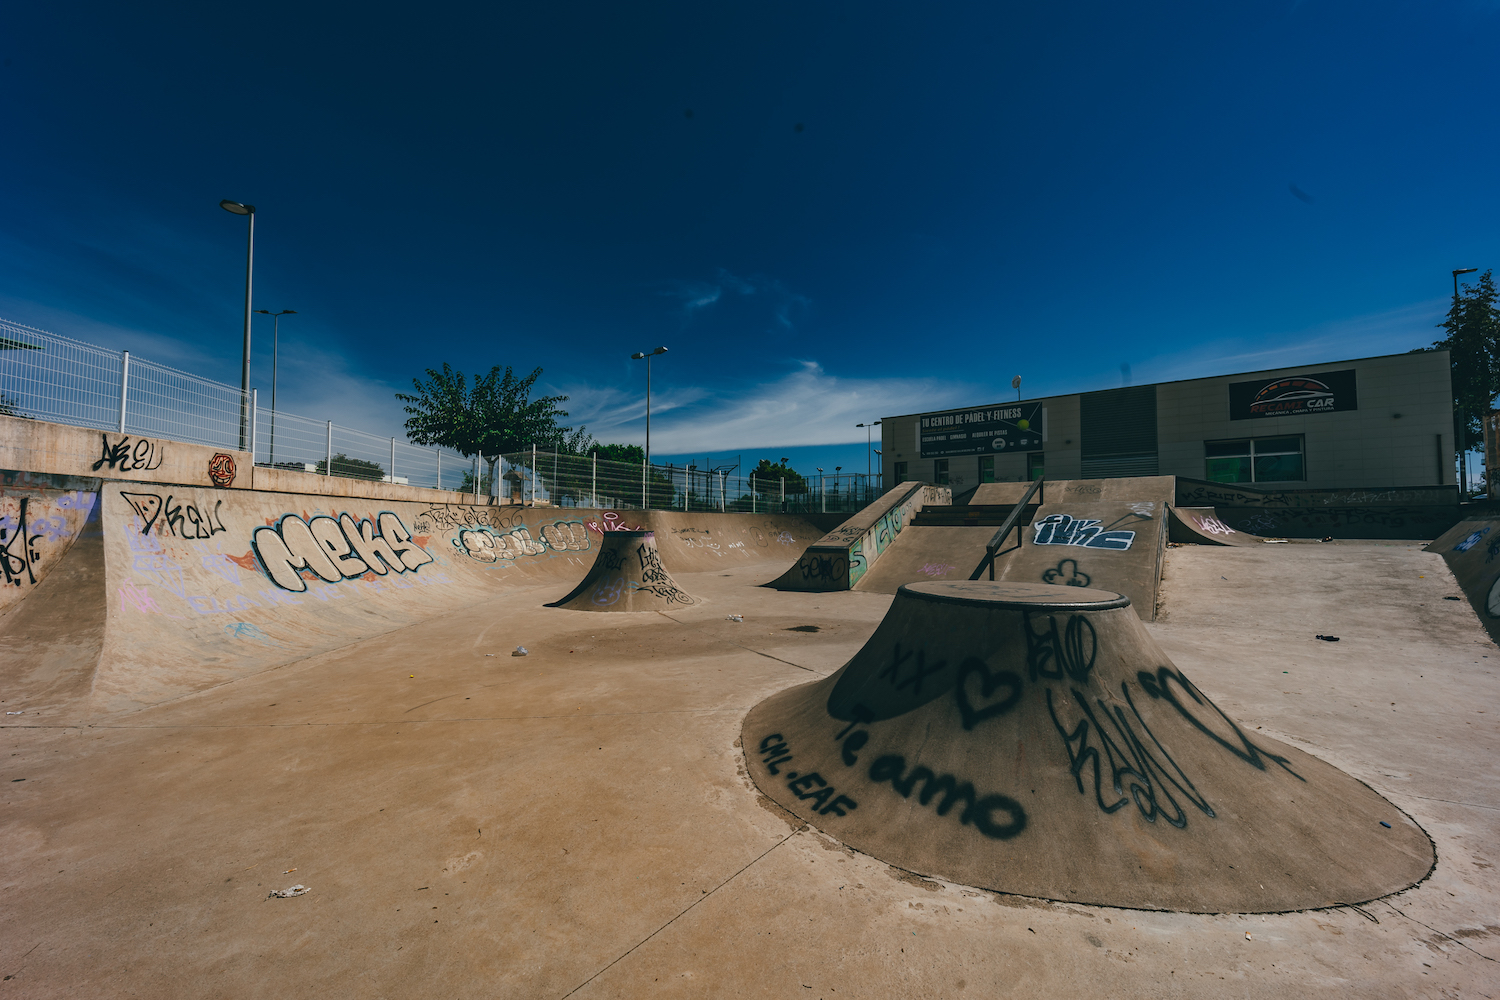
<point>1251,455</point>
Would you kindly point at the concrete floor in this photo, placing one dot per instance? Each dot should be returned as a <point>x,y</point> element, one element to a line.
<point>578,822</point>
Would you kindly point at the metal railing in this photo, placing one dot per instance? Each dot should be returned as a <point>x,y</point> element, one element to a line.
<point>992,547</point>
<point>45,376</point>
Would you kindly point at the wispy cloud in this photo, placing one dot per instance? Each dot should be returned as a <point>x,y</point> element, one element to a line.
<point>694,297</point>
<point>807,406</point>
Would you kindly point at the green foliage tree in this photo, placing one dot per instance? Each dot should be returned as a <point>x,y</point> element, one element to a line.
<point>768,478</point>
<point>1473,345</point>
<point>351,468</point>
<point>492,416</point>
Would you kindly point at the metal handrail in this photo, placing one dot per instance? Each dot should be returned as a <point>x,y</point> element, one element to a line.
<point>992,549</point>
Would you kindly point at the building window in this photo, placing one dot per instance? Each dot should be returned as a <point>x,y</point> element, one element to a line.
<point>1255,460</point>
<point>986,468</point>
<point>940,471</point>
<point>1034,465</point>
<point>901,472</point>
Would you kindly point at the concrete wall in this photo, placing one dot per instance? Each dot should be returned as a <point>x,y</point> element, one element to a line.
<point>1404,420</point>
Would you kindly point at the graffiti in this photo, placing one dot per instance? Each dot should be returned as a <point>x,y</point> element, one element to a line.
<point>1212,525</point>
<point>811,786</point>
<point>182,520</point>
<point>988,681</point>
<point>143,456</point>
<point>335,550</point>
<point>221,470</point>
<point>137,597</point>
<point>206,604</point>
<point>937,569</point>
<point>221,565</point>
<point>823,567</point>
<point>919,670</point>
<point>612,560</point>
<point>447,517</point>
<point>785,538</point>
<point>18,549</point>
<point>1142,508</point>
<point>565,536</point>
<point>981,812</point>
<point>148,556</point>
<point>1472,540</point>
<point>1066,574</point>
<point>1053,654</point>
<point>609,593</point>
<point>1205,496</point>
<point>1061,529</point>
<point>610,521</point>
<point>655,579</point>
<point>1258,523</point>
<point>246,630</point>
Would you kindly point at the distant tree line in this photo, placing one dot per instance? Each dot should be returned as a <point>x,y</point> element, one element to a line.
<point>1473,346</point>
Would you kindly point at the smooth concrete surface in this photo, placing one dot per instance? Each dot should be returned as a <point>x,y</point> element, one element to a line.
<point>628,578</point>
<point>1203,526</point>
<point>579,822</point>
<point>929,552</point>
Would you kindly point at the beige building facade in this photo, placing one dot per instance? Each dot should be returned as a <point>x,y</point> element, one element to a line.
<point>1366,423</point>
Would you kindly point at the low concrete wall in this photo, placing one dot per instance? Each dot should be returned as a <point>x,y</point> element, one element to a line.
<point>36,446</point>
<point>838,559</point>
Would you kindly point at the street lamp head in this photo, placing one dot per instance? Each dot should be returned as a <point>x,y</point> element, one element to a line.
<point>660,350</point>
<point>637,356</point>
<point>1464,270</point>
<point>236,207</point>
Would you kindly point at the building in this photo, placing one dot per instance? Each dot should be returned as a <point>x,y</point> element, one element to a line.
<point>1371,422</point>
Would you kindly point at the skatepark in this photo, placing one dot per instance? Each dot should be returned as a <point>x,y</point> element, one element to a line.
<point>1130,764</point>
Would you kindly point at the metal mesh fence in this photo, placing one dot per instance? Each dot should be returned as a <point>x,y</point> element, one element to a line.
<point>45,376</point>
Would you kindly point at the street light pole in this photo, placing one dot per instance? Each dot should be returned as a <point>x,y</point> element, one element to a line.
<point>275,350</point>
<point>647,464</point>
<point>248,211</point>
<point>869,444</point>
<point>1463,416</point>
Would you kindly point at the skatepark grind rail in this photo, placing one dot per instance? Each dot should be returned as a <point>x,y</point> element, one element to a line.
<point>993,548</point>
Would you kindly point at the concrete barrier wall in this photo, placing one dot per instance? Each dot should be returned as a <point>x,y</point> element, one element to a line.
<point>58,449</point>
<point>838,559</point>
<point>41,517</point>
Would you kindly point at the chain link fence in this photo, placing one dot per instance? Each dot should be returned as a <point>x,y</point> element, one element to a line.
<point>44,376</point>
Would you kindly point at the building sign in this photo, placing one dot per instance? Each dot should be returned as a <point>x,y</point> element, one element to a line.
<point>984,431</point>
<point>1293,396</point>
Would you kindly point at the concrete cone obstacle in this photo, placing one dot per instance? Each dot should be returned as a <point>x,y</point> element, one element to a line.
<point>627,575</point>
<point>1033,739</point>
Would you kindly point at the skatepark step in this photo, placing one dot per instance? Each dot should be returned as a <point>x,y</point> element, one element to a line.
<point>991,515</point>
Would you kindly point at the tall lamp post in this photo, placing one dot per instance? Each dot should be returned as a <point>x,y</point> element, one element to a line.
<point>645,500</point>
<point>249,212</point>
<point>869,445</point>
<point>1463,416</point>
<point>275,345</point>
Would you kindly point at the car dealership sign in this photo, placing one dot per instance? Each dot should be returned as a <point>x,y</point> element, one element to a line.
<point>1293,395</point>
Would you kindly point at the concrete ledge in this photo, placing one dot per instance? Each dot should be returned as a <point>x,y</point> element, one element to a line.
<point>838,559</point>
<point>37,446</point>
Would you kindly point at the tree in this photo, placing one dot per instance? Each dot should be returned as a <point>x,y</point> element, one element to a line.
<point>493,416</point>
<point>351,468</point>
<point>768,478</point>
<point>1473,346</point>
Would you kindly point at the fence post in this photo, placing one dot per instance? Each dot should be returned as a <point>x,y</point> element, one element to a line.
<point>440,476</point>
<point>752,493</point>
<point>124,382</point>
<point>783,499</point>
<point>594,486</point>
<point>476,480</point>
<point>533,484</point>
<point>393,465</point>
<point>254,422</point>
<point>328,469</point>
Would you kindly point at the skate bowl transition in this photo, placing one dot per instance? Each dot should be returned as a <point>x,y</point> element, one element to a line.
<point>1035,740</point>
<point>122,595</point>
<point>627,575</point>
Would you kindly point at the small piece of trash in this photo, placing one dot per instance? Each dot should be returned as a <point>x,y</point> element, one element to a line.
<point>489,654</point>
<point>1248,937</point>
<point>735,618</point>
<point>296,890</point>
<point>1276,541</point>
<point>288,871</point>
<point>12,713</point>
<point>1450,598</point>
<point>1385,824</point>
<point>519,651</point>
<point>1223,578</point>
<point>1327,638</point>
<point>1326,538</point>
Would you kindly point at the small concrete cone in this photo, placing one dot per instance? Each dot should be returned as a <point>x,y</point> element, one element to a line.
<point>627,575</point>
<point>1035,740</point>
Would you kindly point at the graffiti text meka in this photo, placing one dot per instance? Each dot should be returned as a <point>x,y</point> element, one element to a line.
<point>335,550</point>
<point>1060,529</point>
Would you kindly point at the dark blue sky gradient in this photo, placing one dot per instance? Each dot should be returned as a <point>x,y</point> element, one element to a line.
<point>978,191</point>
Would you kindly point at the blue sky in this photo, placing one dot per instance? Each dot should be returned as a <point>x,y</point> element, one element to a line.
<point>828,212</point>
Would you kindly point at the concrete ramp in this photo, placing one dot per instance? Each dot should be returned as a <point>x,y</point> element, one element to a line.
<point>1472,551</point>
<point>840,558</point>
<point>184,588</point>
<point>928,552</point>
<point>1112,546</point>
<point>1203,526</point>
<point>627,575</point>
<point>1035,740</point>
<point>40,519</point>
